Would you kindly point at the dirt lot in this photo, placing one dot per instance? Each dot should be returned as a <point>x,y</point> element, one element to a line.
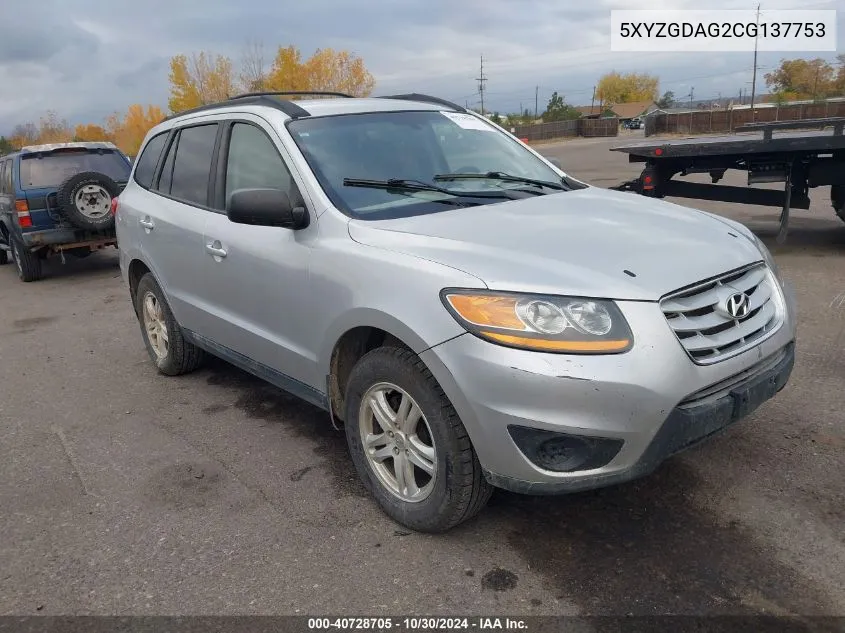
<point>125,492</point>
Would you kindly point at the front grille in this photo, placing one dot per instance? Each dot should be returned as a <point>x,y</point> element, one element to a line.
<point>707,333</point>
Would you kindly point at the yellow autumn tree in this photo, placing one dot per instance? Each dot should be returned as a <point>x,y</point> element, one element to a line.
<point>199,79</point>
<point>338,71</point>
<point>614,88</point>
<point>90,132</point>
<point>287,71</point>
<point>128,131</point>
<point>326,70</point>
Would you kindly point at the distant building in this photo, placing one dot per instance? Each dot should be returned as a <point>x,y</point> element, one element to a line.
<point>623,111</point>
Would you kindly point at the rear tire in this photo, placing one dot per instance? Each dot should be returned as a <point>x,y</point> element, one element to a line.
<point>163,338</point>
<point>27,263</point>
<point>458,490</point>
<point>4,257</point>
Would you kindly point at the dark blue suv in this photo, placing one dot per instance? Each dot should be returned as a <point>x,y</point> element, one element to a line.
<point>57,199</point>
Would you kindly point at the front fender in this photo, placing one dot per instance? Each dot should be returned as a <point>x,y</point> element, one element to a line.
<point>369,317</point>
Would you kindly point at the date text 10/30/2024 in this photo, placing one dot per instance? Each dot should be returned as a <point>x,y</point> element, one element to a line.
<point>417,624</point>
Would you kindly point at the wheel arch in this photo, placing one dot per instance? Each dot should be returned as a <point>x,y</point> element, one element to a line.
<point>352,336</point>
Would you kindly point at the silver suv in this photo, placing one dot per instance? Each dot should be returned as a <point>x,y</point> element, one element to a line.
<point>476,317</point>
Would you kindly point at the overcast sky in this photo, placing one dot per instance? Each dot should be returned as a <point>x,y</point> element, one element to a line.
<point>88,58</point>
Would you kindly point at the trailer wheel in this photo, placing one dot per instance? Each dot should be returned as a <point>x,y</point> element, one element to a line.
<point>837,199</point>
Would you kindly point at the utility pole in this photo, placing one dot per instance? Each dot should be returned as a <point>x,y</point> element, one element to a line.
<point>481,79</point>
<point>691,91</point>
<point>593,101</point>
<point>754,76</point>
<point>537,96</point>
<point>816,83</point>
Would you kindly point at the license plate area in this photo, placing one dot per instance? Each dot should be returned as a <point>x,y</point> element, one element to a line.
<point>748,397</point>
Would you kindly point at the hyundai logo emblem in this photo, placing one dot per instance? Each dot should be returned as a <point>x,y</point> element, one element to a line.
<point>737,305</point>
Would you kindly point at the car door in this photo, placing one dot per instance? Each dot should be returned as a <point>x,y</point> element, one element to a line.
<point>170,218</point>
<point>257,276</point>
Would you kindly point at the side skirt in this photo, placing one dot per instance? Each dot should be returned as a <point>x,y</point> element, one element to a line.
<point>276,378</point>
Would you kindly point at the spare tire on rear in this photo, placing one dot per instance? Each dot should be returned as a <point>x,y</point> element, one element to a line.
<point>85,200</point>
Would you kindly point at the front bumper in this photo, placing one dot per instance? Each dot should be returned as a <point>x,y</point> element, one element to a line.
<point>632,410</point>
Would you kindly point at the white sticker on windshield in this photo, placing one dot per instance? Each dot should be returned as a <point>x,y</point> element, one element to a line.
<point>468,121</point>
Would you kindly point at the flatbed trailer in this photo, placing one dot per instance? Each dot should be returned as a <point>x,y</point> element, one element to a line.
<point>801,160</point>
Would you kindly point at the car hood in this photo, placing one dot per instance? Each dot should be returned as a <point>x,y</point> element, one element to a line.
<point>586,242</point>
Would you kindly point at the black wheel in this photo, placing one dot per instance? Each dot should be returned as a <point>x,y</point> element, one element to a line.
<point>4,257</point>
<point>85,200</point>
<point>837,199</point>
<point>27,263</point>
<point>163,337</point>
<point>409,445</point>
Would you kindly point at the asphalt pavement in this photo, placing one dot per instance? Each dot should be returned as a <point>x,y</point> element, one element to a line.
<point>126,492</point>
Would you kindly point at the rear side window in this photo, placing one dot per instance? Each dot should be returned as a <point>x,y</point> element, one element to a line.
<point>4,166</point>
<point>8,186</point>
<point>146,164</point>
<point>53,168</point>
<point>192,164</point>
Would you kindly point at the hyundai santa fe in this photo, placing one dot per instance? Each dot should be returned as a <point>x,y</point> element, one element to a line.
<point>474,315</point>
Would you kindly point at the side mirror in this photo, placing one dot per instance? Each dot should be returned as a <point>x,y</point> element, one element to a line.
<point>265,207</point>
<point>555,162</point>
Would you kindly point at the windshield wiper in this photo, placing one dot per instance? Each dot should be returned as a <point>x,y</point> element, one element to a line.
<point>401,185</point>
<point>498,175</point>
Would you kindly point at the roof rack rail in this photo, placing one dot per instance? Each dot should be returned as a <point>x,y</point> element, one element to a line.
<point>413,96</point>
<point>288,107</point>
<point>271,93</point>
<point>265,98</point>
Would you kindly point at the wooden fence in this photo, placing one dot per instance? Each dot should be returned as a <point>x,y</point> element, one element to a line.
<point>726,121</point>
<point>564,129</point>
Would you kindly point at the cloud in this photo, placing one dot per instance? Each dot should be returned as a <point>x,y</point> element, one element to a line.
<point>88,58</point>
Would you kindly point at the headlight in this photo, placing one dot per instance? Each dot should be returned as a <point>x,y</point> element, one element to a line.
<point>571,325</point>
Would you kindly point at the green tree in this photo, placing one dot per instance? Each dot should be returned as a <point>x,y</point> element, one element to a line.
<point>666,100</point>
<point>5,146</point>
<point>559,110</point>
<point>803,78</point>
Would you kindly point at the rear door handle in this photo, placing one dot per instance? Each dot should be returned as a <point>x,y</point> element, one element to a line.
<point>146,223</point>
<point>216,248</point>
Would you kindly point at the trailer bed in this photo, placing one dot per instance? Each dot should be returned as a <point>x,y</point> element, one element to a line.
<point>734,144</point>
<point>803,157</point>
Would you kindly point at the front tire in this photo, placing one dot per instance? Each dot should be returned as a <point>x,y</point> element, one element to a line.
<point>163,338</point>
<point>409,445</point>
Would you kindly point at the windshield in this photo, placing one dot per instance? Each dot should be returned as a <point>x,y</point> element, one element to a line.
<point>51,169</point>
<point>414,146</point>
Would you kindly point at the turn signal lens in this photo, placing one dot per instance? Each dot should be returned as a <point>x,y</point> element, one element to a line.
<point>572,325</point>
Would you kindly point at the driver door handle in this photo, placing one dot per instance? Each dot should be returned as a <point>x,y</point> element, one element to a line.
<point>216,248</point>
<point>146,223</point>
